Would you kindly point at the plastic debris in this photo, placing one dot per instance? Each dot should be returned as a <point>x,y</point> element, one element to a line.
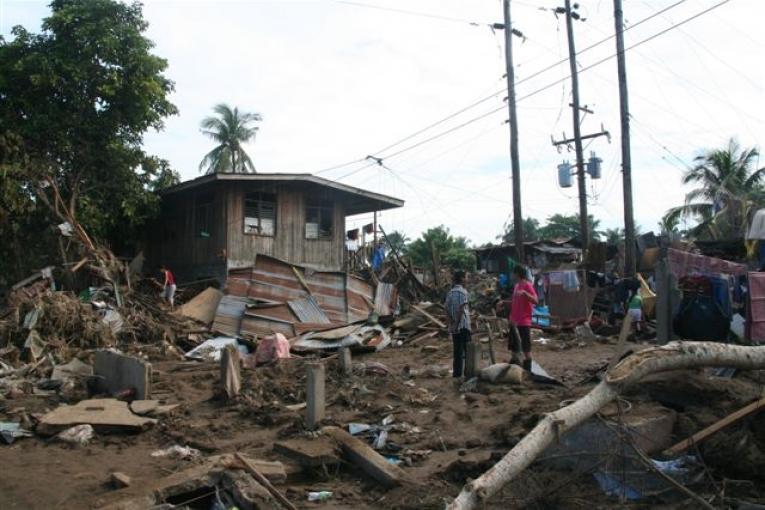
<point>177,452</point>
<point>11,431</point>
<point>319,496</point>
<point>210,350</point>
<point>79,434</point>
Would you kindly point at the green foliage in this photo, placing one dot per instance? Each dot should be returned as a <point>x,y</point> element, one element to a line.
<point>76,101</point>
<point>230,129</point>
<point>729,190</point>
<point>561,226</point>
<point>399,241</point>
<point>452,251</point>
<point>530,231</point>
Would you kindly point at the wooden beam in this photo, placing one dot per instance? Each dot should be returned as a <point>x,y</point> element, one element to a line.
<point>715,427</point>
<point>430,317</point>
<point>301,280</point>
<point>264,482</point>
<point>368,460</point>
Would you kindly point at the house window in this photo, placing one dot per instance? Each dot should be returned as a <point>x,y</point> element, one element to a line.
<point>203,214</point>
<point>318,219</point>
<point>260,214</point>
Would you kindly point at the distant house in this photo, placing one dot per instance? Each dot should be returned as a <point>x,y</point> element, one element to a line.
<point>222,221</point>
<point>550,254</point>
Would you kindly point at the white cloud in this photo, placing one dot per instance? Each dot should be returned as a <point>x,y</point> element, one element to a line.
<point>336,82</point>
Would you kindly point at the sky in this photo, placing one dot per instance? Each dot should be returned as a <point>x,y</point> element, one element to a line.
<point>336,81</point>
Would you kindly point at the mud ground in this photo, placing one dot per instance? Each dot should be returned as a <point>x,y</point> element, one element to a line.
<point>464,432</point>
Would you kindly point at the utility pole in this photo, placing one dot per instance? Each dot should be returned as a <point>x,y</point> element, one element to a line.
<point>583,223</point>
<point>514,156</point>
<point>630,257</point>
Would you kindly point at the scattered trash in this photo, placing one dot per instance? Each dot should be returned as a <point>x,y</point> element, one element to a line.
<point>319,496</point>
<point>11,431</point>
<point>210,350</point>
<point>469,386</point>
<point>358,428</point>
<point>177,452</point>
<point>79,434</point>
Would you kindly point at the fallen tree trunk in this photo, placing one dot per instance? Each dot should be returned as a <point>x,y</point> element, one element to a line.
<point>673,356</point>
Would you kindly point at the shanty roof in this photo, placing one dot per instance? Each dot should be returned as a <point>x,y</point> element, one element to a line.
<point>356,200</point>
<point>551,246</point>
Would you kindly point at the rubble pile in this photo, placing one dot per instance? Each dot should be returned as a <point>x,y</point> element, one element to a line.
<point>336,389</point>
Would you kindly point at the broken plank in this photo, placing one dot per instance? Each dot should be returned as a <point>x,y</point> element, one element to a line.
<point>423,336</point>
<point>250,468</point>
<point>430,317</point>
<point>715,427</point>
<point>368,460</point>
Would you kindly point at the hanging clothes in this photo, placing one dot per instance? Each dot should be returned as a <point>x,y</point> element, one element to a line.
<point>570,281</point>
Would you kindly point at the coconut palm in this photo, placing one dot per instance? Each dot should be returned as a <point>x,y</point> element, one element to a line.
<point>230,128</point>
<point>728,192</point>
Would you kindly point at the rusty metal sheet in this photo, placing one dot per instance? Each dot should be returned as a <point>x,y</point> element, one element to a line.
<point>257,325</point>
<point>385,299</point>
<point>280,312</point>
<point>358,295</point>
<point>228,316</point>
<point>307,310</point>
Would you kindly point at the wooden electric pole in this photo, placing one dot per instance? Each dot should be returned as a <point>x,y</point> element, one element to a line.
<point>630,262</point>
<point>583,223</point>
<point>514,156</point>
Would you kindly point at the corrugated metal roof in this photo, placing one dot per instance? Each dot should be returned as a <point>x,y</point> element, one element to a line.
<point>307,310</point>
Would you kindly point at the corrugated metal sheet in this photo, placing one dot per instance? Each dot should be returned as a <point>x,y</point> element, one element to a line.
<point>385,299</point>
<point>228,316</point>
<point>358,295</point>
<point>307,310</point>
<point>258,325</point>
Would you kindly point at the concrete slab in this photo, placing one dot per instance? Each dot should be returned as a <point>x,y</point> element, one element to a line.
<point>144,407</point>
<point>118,372</point>
<point>309,452</point>
<point>105,414</point>
<point>315,395</point>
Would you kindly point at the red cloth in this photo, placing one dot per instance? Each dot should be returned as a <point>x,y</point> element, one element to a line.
<point>682,263</point>
<point>757,307</point>
<point>522,308</point>
<point>169,277</point>
<point>272,348</point>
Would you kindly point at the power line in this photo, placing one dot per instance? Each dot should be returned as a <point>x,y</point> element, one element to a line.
<point>542,89</point>
<point>413,13</point>
<point>527,78</point>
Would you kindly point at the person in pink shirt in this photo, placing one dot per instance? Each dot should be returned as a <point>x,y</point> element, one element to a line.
<point>521,310</point>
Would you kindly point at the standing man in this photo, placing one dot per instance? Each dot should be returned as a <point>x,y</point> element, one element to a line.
<point>521,312</point>
<point>458,320</point>
<point>168,288</point>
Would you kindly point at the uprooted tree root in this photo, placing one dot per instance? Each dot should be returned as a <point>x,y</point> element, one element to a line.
<point>631,370</point>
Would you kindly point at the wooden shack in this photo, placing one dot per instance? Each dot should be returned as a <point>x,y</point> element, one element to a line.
<point>221,221</point>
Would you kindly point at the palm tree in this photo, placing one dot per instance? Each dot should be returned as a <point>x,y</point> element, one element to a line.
<point>230,128</point>
<point>728,192</point>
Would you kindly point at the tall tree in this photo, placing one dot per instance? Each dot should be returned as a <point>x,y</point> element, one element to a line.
<point>530,231</point>
<point>230,129</point>
<point>76,100</point>
<point>567,227</point>
<point>452,251</point>
<point>729,190</point>
<point>399,241</point>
